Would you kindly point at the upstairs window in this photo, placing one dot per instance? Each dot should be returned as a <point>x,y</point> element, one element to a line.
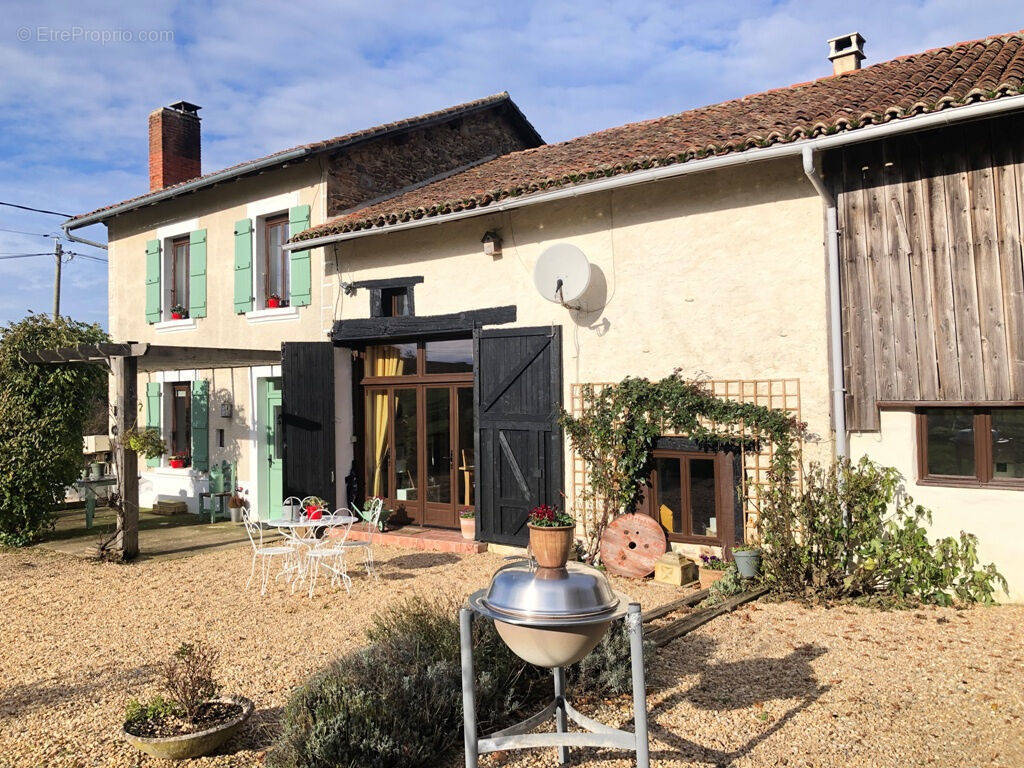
<point>394,302</point>
<point>971,446</point>
<point>274,261</point>
<point>178,273</point>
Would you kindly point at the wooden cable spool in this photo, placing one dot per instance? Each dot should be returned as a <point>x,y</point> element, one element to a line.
<point>632,544</point>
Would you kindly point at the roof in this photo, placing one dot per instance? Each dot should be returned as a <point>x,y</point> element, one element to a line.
<point>304,150</point>
<point>934,80</point>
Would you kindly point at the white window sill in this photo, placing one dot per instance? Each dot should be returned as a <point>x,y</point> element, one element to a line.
<point>171,471</point>
<point>275,315</point>
<point>169,326</point>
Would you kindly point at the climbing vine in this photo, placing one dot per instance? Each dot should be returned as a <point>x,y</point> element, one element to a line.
<point>616,432</point>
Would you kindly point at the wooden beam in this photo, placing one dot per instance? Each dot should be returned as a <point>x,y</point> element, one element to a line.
<point>664,635</point>
<point>367,330</point>
<point>125,371</point>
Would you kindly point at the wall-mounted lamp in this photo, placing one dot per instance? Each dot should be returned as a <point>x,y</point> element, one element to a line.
<point>492,244</point>
<point>225,410</point>
<point>349,289</point>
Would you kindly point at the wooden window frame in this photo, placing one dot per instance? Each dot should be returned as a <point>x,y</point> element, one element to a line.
<point>187,388</point>
<point>269,222</point>
<point>983,470</point>
<point>420,374</point>
<point>724,512</point>
<point>175,299</point>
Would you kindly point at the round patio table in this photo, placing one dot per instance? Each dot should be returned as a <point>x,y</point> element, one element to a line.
<point>302,533</point>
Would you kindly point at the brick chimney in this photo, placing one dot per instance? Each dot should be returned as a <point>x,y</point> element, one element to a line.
<point>846,52</point>
<point>174,154</point>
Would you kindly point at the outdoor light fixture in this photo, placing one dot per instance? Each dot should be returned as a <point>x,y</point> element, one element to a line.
<point>492,244</point>
<point>553,617</point>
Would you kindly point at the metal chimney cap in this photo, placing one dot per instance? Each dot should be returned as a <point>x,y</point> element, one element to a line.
<point>574,595</point>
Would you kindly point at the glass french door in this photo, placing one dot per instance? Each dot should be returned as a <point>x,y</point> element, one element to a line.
<point>419,450</point>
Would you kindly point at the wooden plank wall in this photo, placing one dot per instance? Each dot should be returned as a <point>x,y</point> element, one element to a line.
<point>931,227</point>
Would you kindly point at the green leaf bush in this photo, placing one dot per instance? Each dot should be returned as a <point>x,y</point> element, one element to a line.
<point>854,533</point>
<point>43,409</point>
<point>397,703</point>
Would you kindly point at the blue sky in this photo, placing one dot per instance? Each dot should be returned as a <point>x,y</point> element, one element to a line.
<point>75,94</point>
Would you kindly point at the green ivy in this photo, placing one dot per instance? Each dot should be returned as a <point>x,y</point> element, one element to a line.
<point>42,412</point>
<point>618,426</point>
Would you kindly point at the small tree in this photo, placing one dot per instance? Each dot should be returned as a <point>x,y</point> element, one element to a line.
<point>43,409</point>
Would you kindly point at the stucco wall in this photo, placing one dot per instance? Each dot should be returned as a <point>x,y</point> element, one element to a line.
<point>719,274</point>
<point>993,515</point>
<point>216,210</point>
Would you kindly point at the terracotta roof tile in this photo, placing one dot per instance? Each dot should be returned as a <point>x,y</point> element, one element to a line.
<point>327,144</point>
<point>910,85</point>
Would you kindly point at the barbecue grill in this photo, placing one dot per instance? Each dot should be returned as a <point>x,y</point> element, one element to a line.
<point>553,617</point>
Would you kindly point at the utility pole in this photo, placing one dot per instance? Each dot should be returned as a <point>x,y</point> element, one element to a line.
<point>58,254</point>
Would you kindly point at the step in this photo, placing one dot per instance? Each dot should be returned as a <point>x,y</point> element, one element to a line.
<point>422,539</point>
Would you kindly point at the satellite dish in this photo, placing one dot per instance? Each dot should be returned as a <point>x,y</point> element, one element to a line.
<point>562,273</point>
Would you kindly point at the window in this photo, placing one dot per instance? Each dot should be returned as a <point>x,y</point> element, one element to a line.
<point>181,420</point>
<point>178,271</point>
<point>275,260</point>
<point>971,446</point>
<point>691,495</point>
<point>448,357</point>
<point>394,302</point>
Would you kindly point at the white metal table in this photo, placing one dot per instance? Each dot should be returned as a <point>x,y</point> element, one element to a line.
<point>301,534</point>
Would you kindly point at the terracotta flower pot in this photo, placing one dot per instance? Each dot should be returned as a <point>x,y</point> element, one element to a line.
<point>551,545</point>
<point>708,577</point>
<point>468,526</point>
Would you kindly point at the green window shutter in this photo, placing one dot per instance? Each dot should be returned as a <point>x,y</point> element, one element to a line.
<point>153,415</point>
<point>153,281</point>
<point>197,273</point>
<point>300,278</point>
<point>201,425</point>
<point>243,266</point>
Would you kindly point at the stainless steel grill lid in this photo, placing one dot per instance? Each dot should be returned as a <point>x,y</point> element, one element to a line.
<point>576,594</point>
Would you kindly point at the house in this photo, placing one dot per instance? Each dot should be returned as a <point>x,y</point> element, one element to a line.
<point>847,249</point>
<point>197,263</point>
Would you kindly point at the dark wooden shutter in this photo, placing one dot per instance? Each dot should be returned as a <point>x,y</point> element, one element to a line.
<point>517,398</point>
<point>307,402</point>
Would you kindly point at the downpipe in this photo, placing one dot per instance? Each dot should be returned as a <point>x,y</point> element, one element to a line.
<point>835,317</point>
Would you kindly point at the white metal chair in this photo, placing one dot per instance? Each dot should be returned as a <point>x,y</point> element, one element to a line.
<point>261,551</point>
<point>330,555</point>
<point>372,517</point>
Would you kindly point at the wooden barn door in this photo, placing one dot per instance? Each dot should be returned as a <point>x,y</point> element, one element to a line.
<point>307,371</point>
<point>518,393</point>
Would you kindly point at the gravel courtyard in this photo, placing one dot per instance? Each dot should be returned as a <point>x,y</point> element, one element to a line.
<point>772,684</point>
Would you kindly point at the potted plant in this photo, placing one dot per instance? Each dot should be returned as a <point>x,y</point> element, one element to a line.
<point>748,560</point>
<point>710,569</point>
<point>147,442</point>
<point>178,460</point>
<point>314,507</point>
<point>467,522</point>
<point>191,719</point>
<point>551,535</point>
<point>236,505</point>
<point>178,312</point>
<point>274,301</point>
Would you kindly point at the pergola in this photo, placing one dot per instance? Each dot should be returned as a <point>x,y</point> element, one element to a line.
<point>125,361</point>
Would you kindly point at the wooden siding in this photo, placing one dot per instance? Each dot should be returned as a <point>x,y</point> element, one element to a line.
<point>932,279</point>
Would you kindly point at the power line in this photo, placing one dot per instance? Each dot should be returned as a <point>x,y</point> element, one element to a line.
<point>22,232</point>
<point>84,256</point>
<point>36,210</point>
<point>46,253</point>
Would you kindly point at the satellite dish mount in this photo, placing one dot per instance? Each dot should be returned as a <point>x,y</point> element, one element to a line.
<point>562,274</point>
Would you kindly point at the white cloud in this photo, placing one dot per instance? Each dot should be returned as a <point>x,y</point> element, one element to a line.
<point>73,114</point>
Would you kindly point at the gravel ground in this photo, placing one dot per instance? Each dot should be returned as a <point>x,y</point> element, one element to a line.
<point>772,684</point>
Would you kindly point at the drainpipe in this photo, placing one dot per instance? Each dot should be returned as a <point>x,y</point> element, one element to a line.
<point>77,239</point>
<point>835,324</point>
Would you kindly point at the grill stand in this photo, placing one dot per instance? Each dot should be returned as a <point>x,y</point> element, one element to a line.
<point>520,736</point>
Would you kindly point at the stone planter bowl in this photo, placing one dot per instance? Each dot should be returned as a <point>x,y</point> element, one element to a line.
<point>192,744</point>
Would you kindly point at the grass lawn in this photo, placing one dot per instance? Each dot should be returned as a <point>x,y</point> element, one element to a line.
<point>772,684</point>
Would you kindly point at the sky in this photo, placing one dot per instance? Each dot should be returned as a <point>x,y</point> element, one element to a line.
<point>78,79</point>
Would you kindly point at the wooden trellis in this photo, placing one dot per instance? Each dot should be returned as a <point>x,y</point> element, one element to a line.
<point>781,394</point>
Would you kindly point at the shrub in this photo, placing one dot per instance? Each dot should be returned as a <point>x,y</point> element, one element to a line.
<point>729,585</point>
<point>43,409</point>
<point>189,679</point>
<point>157,708</point>
<point>398,702</point>
<point>853,532</point>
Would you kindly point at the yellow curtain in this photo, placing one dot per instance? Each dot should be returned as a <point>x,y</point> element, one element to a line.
<point>387,361</point>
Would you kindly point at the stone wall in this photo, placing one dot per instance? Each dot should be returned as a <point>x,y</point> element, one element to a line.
<point>389,164</point>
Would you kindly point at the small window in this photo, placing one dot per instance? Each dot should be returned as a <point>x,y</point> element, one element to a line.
<point>687,496</point>
<point>178,273</point>
<point>449,356</point>
<point>971,446</point>
<point>275,260</point>
<point>181,420</point>
<point>394,302</point>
